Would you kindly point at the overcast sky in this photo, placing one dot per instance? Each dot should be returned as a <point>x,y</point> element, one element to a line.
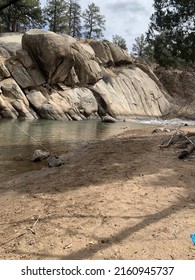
<point>128,18</point>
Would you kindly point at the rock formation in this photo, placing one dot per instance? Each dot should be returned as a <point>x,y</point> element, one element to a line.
<point>56,77</point>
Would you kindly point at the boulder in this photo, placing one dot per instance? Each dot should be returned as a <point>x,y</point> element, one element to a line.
<point>108,119</point>
<point>45,107</point>
<point>82,102</point>
<point>4,72</point>
<point>36,99</point>
<point>39,155</point>
<point>51,52</point>
<point>24,58</point>
<point>19,73</point>
<point>6,109</point>
<point>86,67</point>
<point>110,54</point>
<point>52,111</point>
<point>60,101</point>
<point>13,101</point>
<point>31,67</point>
<point>102,52</point>
<point>120,56</point>
<point>54,161</point>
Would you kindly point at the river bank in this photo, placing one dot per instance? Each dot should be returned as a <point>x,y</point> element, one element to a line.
<point>118,198</point>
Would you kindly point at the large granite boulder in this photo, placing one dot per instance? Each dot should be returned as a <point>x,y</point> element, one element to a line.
<point>51,52</point>
<point>86,66</point>
<point>59,58</point>
<point>102,52</point>
<point>110,54</point>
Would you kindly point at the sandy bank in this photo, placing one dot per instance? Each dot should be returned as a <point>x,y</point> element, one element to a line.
<point>121,198</point>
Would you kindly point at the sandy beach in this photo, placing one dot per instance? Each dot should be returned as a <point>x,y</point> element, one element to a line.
<point>119,198</point>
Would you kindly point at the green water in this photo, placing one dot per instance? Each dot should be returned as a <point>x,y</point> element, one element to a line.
<point>21,139</point>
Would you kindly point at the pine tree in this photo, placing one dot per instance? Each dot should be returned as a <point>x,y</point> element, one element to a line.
<point>120,41</point>
<point>4,5</point>
<point>94,22</point>
<point>74,19</point>
<point>55,14</point>
<point>21,15</point>
<point>171,31</point>
<point>139,46</point>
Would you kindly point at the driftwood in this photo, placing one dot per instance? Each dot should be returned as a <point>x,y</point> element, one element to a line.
<point>189,150</point>
<point>166,143</point>
<point>182,141</point>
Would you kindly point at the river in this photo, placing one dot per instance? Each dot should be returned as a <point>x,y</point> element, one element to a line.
<point>22,138</point>
<point>19,139</point>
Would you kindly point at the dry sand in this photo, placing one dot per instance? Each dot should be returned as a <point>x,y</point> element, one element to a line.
<point>121,198</point>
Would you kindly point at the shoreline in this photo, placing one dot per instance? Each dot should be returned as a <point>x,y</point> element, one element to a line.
<point>118,198</point>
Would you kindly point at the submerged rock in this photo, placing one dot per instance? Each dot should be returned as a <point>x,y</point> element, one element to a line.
<point>39,155</point>
<point>54,161</point>
<point>108,119</point>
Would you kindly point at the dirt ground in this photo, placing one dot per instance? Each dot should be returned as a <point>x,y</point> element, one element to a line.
<point>117,199</point>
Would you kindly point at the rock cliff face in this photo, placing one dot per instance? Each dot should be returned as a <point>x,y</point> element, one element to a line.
<point>56,77</point>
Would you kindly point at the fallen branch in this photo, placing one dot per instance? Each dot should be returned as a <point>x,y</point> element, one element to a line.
<point>189,150</point>
<point>189,140</point>
<point>178,135</point>
<point>181,140</point>
<point>169,142</point>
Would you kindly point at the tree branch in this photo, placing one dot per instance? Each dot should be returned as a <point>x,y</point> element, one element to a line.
<point>9,3</point>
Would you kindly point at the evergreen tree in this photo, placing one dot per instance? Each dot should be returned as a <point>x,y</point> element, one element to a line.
<point>55,14</point>
<point>21,15</point>
<point>5,4</point>
<point>171,31</point>
<point>139,46</point>
<point>74,19</point>
<point>94,22</point>
<point>120,41</point>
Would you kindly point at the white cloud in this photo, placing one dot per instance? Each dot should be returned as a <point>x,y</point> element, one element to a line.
<point>125,5</point>
<point>128,18</point>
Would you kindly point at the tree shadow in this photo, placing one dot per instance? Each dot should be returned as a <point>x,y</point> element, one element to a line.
<point>89,252</point>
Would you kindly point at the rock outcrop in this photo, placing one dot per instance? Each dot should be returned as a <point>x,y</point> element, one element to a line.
<point>56,77</point>
<point>10,43</point>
